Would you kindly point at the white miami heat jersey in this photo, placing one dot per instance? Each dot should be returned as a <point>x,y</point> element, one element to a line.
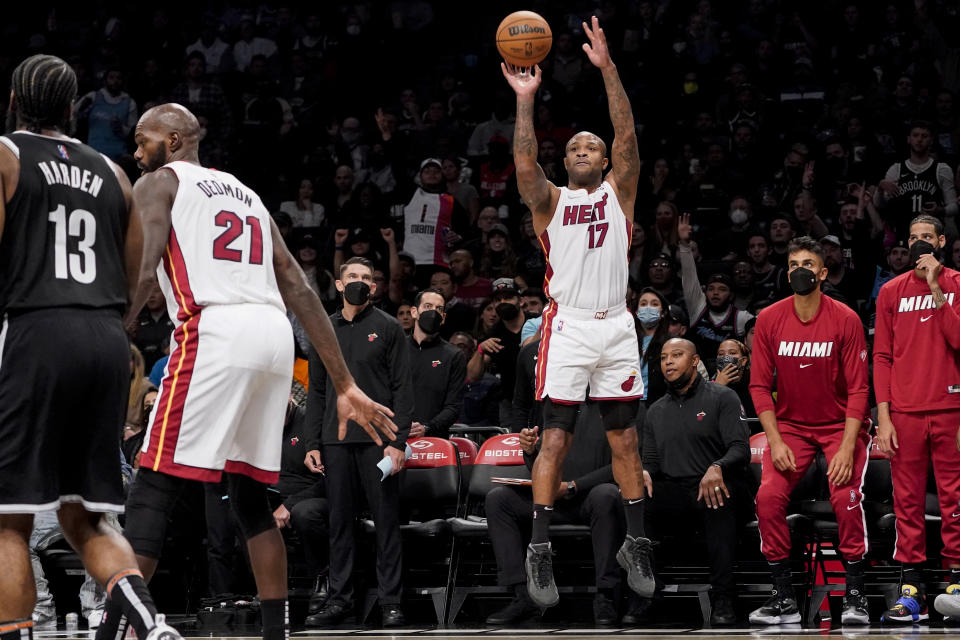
<point>220,249</point>
<point>586,245</point>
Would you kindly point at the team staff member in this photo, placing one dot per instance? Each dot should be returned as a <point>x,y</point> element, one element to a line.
<point>816,348</point>
<point>439,369</point>
<point>695,451</point>
<point>918,414</point>
<point>376,353</point>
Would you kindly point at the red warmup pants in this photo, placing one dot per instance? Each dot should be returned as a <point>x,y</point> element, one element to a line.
<point>922,437</point>
<point>776,486</point>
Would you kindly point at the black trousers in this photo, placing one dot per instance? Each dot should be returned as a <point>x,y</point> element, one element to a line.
<point>310,519</point>
<point>673,505</point>
<point>224,555</point>
<point>352,468</point>
<point>510,517</point>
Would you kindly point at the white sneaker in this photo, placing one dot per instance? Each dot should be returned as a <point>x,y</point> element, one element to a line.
<point>163,631</point>
<point>948,604</point>
<point>44,621</point>
<point>94,619</point>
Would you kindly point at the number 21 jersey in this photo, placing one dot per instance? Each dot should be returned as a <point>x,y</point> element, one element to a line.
<point>220,249</point>
<point>64,229</point>
<point>586,246</point>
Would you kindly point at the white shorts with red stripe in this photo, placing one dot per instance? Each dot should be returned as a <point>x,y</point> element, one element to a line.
<point>582,348</point>
<point>223,396</point>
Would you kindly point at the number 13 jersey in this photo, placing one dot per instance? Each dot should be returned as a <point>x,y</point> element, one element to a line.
<point>220,249</point>
<point>64,228</point>
<point>586,246</point>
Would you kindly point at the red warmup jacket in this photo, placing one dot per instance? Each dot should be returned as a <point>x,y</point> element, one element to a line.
<point>820,365</point>
<point>919,369</point>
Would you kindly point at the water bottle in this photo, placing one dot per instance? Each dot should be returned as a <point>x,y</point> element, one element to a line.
<point>73,621</point>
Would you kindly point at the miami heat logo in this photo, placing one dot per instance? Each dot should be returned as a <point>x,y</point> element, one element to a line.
<point>435,364</point>
<point>294,440</point>
<point>626,386</point>
<point>701,416</point>
<point>371,337</point>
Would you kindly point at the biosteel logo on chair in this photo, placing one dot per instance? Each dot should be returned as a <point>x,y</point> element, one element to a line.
<point>422,450</point>
<point>498,449</point>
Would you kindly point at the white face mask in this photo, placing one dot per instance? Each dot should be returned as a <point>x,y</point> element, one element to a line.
<point>738,216</point>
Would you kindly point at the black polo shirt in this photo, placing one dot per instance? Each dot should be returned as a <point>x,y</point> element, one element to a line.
<point>439,373</point>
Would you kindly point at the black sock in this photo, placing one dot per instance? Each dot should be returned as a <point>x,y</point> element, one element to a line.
<point>276,619</point>
<point>954,575</point>
<point>913,575</point>
<point>114,624</point>
<point>133,596</point>
<point>541,523</point>
<point>633,509</point>
<point>19,629</point>
<point>855,577</point>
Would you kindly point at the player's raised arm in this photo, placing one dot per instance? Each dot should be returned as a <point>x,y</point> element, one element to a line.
<point>625,154</point>
<point>352,403</point>
<point>537,192</point>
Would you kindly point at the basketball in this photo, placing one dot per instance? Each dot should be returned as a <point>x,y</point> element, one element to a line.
<point>524,38</point>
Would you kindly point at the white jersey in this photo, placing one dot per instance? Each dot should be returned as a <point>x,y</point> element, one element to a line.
<point>586,245</point>
<point>220,249</point>
<point>427,219</point>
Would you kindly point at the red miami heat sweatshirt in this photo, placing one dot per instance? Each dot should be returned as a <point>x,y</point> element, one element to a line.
<point>916,350</point>
<point>820,365</point>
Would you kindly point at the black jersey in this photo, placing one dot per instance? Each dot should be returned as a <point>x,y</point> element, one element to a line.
<point>914,191</point>
<point>63,240</point>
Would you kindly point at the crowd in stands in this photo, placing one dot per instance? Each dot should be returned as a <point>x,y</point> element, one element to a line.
<point>758,120</point>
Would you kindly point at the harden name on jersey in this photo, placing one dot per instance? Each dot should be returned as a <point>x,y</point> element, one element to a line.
<point>71,176</point>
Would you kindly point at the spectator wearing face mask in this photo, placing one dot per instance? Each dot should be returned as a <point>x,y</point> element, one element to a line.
<point>652,331</point>
<point>438,369</point>
<point>733,371</point>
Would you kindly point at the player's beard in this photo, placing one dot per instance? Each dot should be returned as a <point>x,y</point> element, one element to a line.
<point>154,162</point>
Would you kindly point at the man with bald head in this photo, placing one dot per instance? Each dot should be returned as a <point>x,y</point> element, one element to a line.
<point>589,339</point>
<point>695,451</point>
<point>472,290</point>
<point>227,277</point>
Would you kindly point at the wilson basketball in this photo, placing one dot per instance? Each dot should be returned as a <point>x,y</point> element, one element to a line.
<point>524,38</point>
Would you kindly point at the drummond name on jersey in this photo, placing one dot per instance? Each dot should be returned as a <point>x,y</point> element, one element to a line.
<point>71,176</point>
<point>212,188</point>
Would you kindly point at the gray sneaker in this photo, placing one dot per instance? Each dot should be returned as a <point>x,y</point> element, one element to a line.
<point>634,557</point>
<point>540,584</point>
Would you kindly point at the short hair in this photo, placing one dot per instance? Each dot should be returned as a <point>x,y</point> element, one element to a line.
<point>44,88</point>
<point>473,341</point>
<point>921,124</point>
<point>195,55</point>
<point>357,260</point>
<point>534,292</point>
<point>928,219</point>
<point>416,301</point>
<point>805,243</point>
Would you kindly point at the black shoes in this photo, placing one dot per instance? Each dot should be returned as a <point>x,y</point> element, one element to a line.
<point>332,613</point>
<point>604,613</point>
<point>855,607</point>
<point>320,595</point>
<point>722,614</point>
<point>392,616</point>
<point>540,584</point>
<point>520,608</point>
<point>781,608</point>
<point>634,558</point>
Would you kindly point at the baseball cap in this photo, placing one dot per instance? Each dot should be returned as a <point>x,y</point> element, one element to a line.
<point>504,287</point>
<point>834,240</point>
<point>429,161</point>
<point>499,228</point>
<point>720,277</point>
<point>678,315</point>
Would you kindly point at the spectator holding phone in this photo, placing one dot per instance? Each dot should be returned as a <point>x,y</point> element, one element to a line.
<point>733,371</point>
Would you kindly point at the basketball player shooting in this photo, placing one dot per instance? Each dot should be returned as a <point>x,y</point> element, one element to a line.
<point>589,340</point>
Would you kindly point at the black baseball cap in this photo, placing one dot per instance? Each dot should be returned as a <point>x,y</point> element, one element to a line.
<point>679,315</point>
<point>720,277</point>
<point>505,287</point>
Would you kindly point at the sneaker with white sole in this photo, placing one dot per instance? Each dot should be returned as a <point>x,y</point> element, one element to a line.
<point>781,608</point>
<point>162,631</point>
<point>948,604</point>
<point>910,608</point>
<point>855,609</point>
<point>94,618</point>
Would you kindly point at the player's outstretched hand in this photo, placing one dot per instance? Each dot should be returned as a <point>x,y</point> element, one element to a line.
<point>373,417</point>
<point>840,468</point>
<point>522,80</point>
<point>597,50</point>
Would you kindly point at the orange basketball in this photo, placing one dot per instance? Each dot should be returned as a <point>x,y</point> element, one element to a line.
<point>524,38</point>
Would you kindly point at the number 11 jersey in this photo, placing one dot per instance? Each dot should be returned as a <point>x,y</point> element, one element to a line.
<point>64,228</point>
<point>220,249</point>
<point>586,245</point>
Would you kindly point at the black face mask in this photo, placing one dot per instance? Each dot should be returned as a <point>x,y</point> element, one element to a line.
<point>922,248</point>
<point>357,292</point>
<point>803,281</point>
<point>681,382</point>
<point>429,321</point>
<point>507,311</point>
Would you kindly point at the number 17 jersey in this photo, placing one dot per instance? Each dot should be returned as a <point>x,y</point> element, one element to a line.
<point>64,228</point>
<point>586,245</point>
<point>220,249</point>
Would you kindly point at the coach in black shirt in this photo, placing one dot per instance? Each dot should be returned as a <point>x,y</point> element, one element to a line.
<point>695,450</point>
<point>375,350</point>
<point>438,368</point>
